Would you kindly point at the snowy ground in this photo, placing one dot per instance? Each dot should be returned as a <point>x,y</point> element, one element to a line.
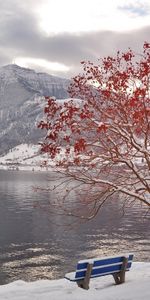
<point>25,157</point>
<point>28,157</point>
<point>136,287</point>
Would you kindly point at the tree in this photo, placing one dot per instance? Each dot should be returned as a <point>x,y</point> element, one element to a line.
<point>103,131</point>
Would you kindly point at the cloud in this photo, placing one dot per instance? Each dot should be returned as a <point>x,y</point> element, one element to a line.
<point>84,16</point>
<point>21,37</point>
<point>137,8</point>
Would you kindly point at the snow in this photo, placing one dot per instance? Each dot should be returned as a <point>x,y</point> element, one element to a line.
<point>10,74</point>
<point>136,287</point>
<point>28,157</point>
<point>25,157</point>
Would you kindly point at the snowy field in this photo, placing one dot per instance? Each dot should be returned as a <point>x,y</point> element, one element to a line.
<point>28,157</point>
<point>25,157</point>
<point>136,287</point>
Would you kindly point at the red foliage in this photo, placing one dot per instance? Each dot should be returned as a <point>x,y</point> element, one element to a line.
<point>115,93</point>
<point>110,124</point>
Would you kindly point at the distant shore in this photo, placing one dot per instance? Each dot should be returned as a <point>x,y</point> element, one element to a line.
<point>20,167</point>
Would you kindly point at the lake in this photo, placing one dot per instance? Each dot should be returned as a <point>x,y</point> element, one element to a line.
<point>35,244</point>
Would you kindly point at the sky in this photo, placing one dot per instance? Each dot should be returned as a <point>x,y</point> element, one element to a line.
<point>54,36</point>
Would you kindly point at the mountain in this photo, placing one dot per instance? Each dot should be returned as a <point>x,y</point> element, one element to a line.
<point>22,94</point>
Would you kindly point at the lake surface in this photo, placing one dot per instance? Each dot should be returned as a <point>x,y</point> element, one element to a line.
<point>36,245</point>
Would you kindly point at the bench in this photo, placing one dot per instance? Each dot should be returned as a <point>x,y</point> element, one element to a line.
<point>96,267</point>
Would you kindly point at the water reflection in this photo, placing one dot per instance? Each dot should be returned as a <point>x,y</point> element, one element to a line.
<point>33,247</point>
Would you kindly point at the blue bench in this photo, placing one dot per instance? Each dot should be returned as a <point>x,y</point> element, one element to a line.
<point>96,267</point>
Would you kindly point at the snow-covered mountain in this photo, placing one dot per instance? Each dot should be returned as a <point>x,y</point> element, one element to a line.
<point>22,94</point>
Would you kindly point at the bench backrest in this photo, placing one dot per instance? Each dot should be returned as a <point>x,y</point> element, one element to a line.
<point>102,266</point>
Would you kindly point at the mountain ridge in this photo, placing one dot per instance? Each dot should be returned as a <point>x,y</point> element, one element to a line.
<point>22,92</point>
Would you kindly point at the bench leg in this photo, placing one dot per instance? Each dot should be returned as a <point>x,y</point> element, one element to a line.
<point>84,283</point>
<point>120,277</point>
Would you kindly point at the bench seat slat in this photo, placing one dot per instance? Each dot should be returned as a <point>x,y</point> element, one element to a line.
<point>71,276</point>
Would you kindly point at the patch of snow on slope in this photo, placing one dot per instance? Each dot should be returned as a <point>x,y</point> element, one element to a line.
<point>24,157</point>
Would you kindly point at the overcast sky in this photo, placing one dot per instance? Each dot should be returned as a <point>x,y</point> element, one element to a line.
<point>55,35</point>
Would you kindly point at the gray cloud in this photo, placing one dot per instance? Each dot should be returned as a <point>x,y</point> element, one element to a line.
<point>21,36</point>
<point>137,9</point>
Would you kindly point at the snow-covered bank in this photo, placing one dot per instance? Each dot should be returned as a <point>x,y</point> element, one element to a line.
<point>136,287</point>
<point>25,157</point>
<point>28,157</point>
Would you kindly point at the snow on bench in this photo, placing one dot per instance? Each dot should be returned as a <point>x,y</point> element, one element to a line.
<point>90,268</point>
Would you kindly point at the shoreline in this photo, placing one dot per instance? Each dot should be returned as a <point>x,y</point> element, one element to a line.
<point>136,287</point>
<point>21,167</point>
